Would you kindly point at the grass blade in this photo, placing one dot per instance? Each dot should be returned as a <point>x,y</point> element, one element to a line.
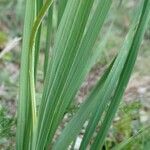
<point>48,38</point>
<point>37,42</point>
<point>24,104</point>
<point>105,93</point>
<point>125,76</point>
<point>61,8</point>
<point>73,128</point>
<point>73,24</point>
<point>108,89</point>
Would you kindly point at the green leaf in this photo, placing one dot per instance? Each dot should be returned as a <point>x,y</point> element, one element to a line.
<point>24,103</point>
<point>106,92</point>
<point>126,73</point>
<point>38,37</point>
<point>48,39</point>
<point>68,39</point>
<point>76,123</point>
<point>97,104</point>
<point>73,55</point>
<point>61,8</point>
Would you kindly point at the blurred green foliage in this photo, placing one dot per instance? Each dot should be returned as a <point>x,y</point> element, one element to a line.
<point>7,125</point>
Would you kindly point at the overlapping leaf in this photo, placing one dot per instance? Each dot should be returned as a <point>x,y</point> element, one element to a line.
<point>72,58</point>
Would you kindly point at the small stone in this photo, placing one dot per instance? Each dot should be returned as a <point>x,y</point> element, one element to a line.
<point>143,116</point>
<point>142,90</point>
<point>77,143</point>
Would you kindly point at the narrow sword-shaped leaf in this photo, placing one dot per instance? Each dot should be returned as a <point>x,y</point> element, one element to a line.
<point>24,104</point>
<point>85,47</point>
<point>125,76</point>
<point>61,8</point>
<point>48,39</point>
<point>117,68</point>
<point>75,125</point>
<point>82,56</point>
<point>106,93</point>
<point>38,37</point>
<point>63,58</point>
<point>31,68</point>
